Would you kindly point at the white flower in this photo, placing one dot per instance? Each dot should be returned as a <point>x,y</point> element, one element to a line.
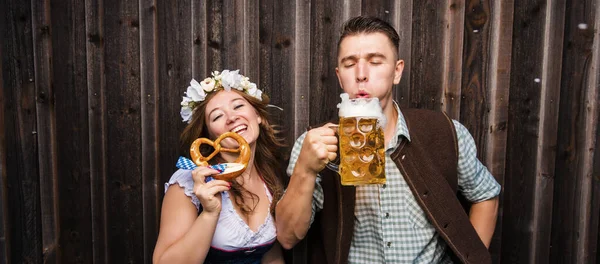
<point>231,79</point>
<point>208,84</point>
<point>253,91</point>
<point>185,101</point>
<point>186,113</point>
<point>195,91</point>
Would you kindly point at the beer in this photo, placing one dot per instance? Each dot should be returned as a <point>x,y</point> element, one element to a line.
<point>361,141</point>
<point>362,152</point>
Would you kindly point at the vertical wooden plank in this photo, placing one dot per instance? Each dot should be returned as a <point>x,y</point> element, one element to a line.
<point>216,41</point>
<point>70,105</point>
<point>498,81</point>
<point>176,57</point>
<point>474,100</point>
<point>402,21</point>
<point>200,40</point>
<point>46,125</point>
<point>122,94</point>
<point>149,82</point>
<point>250,15</point>
<point>547,130</point>
<point>572,227</point>
<point>326,20</point>
<point>437,64</point>
<point>383,9</point>
<point>232,35</point>
<point>302,65</point>
<point>96,82</point>
<point>452,69</point>
<point>532,131</point>
<point>4,213</point>
<point>594,246</point>
<point>278,45</point>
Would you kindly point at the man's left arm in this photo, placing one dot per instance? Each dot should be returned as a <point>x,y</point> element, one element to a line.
<point>477,185</point>
<point>483,218</point>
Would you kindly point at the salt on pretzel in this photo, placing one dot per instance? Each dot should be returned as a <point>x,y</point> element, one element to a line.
<point>233,169</point>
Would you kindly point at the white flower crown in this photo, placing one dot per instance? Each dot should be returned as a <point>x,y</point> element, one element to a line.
<point>225,80</point>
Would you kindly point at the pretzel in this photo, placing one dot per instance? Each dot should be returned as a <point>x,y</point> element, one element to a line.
<point>241,161</point>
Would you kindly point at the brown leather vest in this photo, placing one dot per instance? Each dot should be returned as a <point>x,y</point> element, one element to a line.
<point>428,164</point>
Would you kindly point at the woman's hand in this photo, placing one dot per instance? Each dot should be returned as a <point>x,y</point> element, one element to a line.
<point>209,193</point>
<point>319,147</point>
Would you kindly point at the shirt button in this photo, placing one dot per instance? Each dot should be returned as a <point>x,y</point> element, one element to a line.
<point>383,186</point>
<point>389,244</point>
<point>403,156</point>
<point>387,215</point>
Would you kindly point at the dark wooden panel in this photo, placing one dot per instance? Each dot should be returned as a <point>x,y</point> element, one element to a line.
<point>474,101</point>
<point>383,9</point>
<point>214,35</point>
<point>278,48</point>
<point>402,20</point>
<point>4,213</point>
<point>69,78</point>
<point>94,15</point>
<point>518,232</point>
<point>149,84</point>
<point>45,129</point>
<point>427,76</point>
<point>498,82</point>
<point>200,39</point>
<point>123,132</point>
<point>578,119</point>
<point>324,87</point>
<point>175,60</point>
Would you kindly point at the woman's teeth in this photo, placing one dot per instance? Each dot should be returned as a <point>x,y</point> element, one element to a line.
<point>239,128</point>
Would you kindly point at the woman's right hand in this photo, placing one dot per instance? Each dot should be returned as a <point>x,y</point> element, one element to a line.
<point>209,193</point>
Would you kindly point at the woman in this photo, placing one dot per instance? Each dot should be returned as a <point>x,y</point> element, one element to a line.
<point>215,221</point>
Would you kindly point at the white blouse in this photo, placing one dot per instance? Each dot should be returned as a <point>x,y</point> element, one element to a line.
<point>232,233</point>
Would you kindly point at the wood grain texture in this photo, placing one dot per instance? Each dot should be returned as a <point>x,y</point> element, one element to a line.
<point>149,85</point>
<point>4,212</point>
<point>69,77</point>
<point>402,20</point>
<point>524,131</point>
<point>90,120</point>
<point>578,122</point>
<point>324,87</point>
<point>97,120</point>
<point>493,151</point>
<point>429,28</point>
<point>46,128</point>
<point>123,132</point>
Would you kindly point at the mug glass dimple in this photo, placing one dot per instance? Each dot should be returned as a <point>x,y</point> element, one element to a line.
<point>362,152</point>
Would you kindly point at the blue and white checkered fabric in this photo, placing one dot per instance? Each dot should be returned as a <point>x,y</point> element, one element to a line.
<point>187,164</point>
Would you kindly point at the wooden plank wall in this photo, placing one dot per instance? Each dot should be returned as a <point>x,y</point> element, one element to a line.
<point>90,94</point>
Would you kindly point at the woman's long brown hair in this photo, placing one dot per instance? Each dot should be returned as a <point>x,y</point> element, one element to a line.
<point>267,150</point>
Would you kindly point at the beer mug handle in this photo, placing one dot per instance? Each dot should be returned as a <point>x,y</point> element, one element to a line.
<point>334,165</point>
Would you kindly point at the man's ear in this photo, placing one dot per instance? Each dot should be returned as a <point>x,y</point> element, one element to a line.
<point>398,71</point>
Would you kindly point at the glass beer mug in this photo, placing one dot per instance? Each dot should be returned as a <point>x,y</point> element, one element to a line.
<point>361,142</point>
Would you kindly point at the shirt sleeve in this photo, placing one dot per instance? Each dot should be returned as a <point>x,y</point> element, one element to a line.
<point>475,181</point>
<point>317,201</point>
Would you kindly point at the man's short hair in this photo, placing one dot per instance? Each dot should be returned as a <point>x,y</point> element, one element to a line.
<point>364,24</point>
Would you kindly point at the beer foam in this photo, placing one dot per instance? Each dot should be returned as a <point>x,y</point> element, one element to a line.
<point>363,107</point>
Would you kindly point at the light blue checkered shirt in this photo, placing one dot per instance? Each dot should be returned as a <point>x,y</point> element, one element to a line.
<point>390,227</point>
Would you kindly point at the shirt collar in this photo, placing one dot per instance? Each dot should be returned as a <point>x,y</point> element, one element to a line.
<point>401,127</point>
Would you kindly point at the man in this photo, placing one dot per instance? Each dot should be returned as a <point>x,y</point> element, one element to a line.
<point>411,218</point>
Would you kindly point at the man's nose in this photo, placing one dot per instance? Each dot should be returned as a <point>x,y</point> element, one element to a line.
<point>361,72</point>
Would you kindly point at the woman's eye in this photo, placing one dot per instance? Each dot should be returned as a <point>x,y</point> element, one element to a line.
<point>238,106</point>
<point>216,118</point>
